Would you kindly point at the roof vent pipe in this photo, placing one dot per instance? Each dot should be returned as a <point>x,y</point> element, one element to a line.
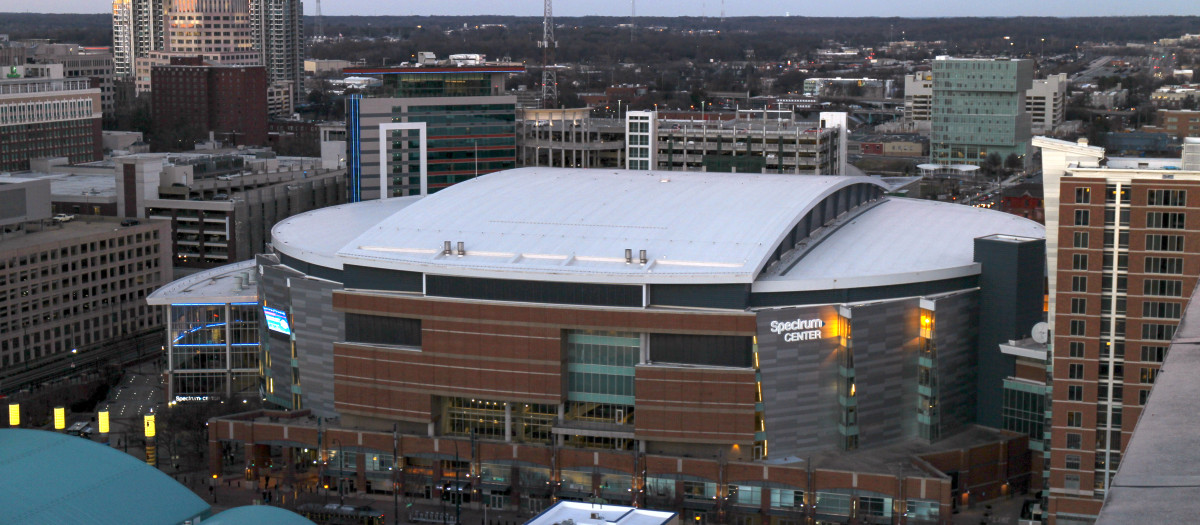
<point>446,250</point>
<point>628,256</point>
<point>642,256</point>
<point>462,250</point>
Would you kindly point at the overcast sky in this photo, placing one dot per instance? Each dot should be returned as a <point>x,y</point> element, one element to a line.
<point>926,8</point>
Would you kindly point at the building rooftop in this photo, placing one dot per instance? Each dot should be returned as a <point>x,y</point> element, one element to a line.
<point>580,513</point>
<point>1157,481</point>
<point>100,186</point>
<point>258,515</point>
<point>48,477</point>
<point>897,239</point>
<point>561,224</point>
<point>571,225</point>
<point>225,284</point>
<point>81,227</point>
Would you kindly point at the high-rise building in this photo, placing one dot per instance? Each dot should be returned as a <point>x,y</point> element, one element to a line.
<point>209,26</point>
<point>278,30</point>
<point>449,123</point>
<point>43,114</point>
<point>979,109</point>
<point>1123,255</point>
<point>139,27</point>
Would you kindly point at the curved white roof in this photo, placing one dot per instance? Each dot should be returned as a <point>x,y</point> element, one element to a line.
<point>898,241</point>
<point>575,225</point>
<point>216,285</point>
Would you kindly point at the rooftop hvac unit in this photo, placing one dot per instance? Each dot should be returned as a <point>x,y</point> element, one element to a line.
<point>1191,154</point>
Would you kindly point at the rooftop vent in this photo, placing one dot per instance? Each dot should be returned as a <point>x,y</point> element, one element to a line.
<point>446,249</point>
<point>462,250</point>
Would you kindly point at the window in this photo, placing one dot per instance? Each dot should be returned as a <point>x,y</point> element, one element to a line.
<point>1083,195</point>
<point>1078,305</point>
<point>1081,240</point>
<point>878,507</point>
<point>1072,461</point>
<point>1158,332</point>
<point>1161,310</point>
<point>1083,217</point>
<point>833,503</point>
<point>1148,375</point>
<point>1071,481</point>
<point>1078,327</point>
<point>1166,197</point>
<point>1078,283</point>
<point>1162,287</point>
<point>787,499</point>
<point>1167,265</point>
<point>1164,243</point>
<point>1074,393</point>
<point>1079,261</point>
<point>1154,354</point>
<point>1075,419</point>
<point>1076,348</point>
<point>1075,371</point>
<point>1074,441</point>
<point>1143,395</point>
<point>1165,220</point>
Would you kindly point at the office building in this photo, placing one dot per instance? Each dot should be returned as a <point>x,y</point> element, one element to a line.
<point>918,101</point>
<point>278,30</point>
<point>73,287</point>
<point>77,62</point>
<point>139,27</point>
<point>544,334</point>
<point>1046,103</point>
<point>447,124</point>
<point>979,110</point>
<point>43,114</point>
<point>192,100</point>
<point>1118,238</point>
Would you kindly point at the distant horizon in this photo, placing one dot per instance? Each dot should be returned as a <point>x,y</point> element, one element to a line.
<point>717,8</point>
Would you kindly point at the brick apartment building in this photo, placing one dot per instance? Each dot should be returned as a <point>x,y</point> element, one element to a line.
<point>193,99</point>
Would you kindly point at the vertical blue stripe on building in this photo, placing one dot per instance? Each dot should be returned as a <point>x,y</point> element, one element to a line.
<point>354,133</point>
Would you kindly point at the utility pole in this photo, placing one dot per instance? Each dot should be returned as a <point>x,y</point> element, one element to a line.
<point>395,466</point>
<point>548,44</point>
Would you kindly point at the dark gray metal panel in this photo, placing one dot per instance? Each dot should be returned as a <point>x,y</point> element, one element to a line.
<point>317,327</point>
<point>729,296</point>
<point>533,291</point>
<point>956,335</point>
<point>1011,284</point>
<point>799,381</point>
<point>885,353</point>
<point>711,350</point>
<point>367,278</point>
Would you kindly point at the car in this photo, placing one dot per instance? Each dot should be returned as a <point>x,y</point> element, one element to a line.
<point>63,217</point>
<point>130,222</point>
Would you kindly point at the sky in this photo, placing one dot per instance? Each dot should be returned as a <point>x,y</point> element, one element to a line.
<point>925,8</point>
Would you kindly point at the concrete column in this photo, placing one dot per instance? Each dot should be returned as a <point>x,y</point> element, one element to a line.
<point>360,471</point>
<point>508,422</point>
<point>215,456</point>
<point>228,354</point>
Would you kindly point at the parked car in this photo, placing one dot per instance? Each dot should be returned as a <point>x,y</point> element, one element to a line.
<point>130,222</point>
<point>63,217</point>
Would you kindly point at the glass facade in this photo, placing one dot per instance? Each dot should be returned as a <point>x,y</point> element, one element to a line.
<point>438,85</point>
<point>463,142</point>
<point>529,422</point>
<point>600,366</point>
<point>979,110</point>
<point>213,350</point>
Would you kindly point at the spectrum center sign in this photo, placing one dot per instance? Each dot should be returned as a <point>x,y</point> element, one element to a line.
<point>799,329</point>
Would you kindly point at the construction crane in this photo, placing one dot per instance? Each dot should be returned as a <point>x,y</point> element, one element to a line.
<point>548,44</point>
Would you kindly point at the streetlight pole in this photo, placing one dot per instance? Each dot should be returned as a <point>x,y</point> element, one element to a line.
<point>395,465</point>
<point>341,464</point>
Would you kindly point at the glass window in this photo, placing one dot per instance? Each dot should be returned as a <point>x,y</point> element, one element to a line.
<point>833,503</point>
<point>787,498</point>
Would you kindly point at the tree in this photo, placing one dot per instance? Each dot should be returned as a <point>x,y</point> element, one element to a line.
<point>1013,162</point>
<point>993,162</point>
